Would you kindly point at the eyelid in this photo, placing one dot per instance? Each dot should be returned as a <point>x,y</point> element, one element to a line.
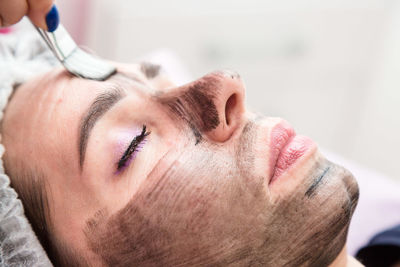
<point>132,149</point>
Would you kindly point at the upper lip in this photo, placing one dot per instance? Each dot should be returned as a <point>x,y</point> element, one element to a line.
<point>280,136</point>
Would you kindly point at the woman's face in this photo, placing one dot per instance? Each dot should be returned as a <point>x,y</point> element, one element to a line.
<point>204,182</point>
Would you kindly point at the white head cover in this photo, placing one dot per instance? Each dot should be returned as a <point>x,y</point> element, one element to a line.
<point>23,55</point>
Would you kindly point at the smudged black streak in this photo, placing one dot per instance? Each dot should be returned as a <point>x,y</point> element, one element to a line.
<point>311,190</point>
<point>132,237</point>
<point>128,237</point>
<point>134,241</point>
<point>245,158</point>
<point>150,70</point>
<point>244,149</point>
<point>352,190</point>
<point>338,224</point>
<point>196,106</point>
<point>315,244</point>
<point>196,133</point>
<point>317,240</point>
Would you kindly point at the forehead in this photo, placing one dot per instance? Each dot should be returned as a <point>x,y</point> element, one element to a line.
<point>57,90</point>
<point>59,81</point>
<point>49,108</point>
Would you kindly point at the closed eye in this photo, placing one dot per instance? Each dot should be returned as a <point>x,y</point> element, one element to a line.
<point>132,149</point>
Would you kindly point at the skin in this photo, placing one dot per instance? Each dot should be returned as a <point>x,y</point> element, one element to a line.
<point>12,11</point>
<point>198,192</point>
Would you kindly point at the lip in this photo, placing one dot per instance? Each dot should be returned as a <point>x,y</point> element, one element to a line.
<point>286,149</point>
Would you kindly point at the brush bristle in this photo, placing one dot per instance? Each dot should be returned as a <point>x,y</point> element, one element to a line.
<point>88,66</point>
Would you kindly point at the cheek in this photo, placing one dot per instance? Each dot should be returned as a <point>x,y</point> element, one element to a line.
<point>197,207</point>
<point>203,194</point>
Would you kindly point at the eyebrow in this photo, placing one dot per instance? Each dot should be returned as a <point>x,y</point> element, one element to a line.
<point>100,105</point>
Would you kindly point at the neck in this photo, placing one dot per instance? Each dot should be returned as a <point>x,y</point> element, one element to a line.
<point>345,260</point>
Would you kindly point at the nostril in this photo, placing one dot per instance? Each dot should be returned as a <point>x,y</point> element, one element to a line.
<point>229,108</point>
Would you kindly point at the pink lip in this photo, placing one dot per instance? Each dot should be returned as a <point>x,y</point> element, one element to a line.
<point>286,148</point>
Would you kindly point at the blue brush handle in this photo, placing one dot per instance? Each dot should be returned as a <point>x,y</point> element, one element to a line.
<point>52,19</point>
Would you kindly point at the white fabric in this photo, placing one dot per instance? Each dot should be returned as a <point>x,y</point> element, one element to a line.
<point>22,56</point>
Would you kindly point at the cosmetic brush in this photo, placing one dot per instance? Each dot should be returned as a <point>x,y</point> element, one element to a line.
<point>74,59</point>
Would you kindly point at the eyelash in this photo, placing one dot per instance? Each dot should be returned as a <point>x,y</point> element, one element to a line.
<point>132,148</point>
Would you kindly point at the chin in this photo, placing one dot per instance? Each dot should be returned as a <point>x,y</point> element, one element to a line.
<point>315,202</point>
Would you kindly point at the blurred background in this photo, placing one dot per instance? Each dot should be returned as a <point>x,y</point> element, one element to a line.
<point>331,68</point>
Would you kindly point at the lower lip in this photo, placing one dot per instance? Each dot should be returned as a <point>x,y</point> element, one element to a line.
<point>296,148</point>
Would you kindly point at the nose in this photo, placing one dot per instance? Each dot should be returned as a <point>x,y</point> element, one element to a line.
<point>228,100</point>
<point>213,106</point>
